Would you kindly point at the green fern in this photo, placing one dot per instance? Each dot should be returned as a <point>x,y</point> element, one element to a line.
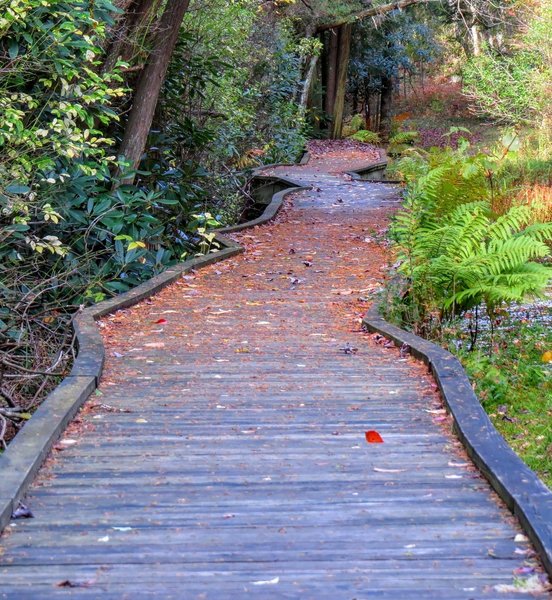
<point>468,257</point>
<point>367,137</point>
<point>404,137</point>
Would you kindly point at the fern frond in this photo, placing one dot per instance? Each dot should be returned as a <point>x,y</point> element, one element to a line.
<point>538,231</point>
<point>509,223</point>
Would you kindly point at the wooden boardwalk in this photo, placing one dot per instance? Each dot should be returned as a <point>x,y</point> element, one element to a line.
<point>226,454</point>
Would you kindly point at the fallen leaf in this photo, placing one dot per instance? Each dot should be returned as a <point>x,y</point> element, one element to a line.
<point>524,571</point>
<point>67,583</point>
<point>161,321</point>
<point>267,581</point>
<point>348,349</point>
<point>378,470</point>
<point>547,357</point>
<point>22,512</point>
<point>521,538</point>
<point>373,437</point>
<point>141,421</point>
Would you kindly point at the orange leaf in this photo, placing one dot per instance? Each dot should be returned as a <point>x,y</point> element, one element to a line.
<point>373,437</point>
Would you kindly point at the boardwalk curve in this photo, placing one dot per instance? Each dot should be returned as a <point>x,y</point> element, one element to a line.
<point>225,455</point>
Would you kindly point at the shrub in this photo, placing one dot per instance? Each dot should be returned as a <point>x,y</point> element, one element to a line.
<point>398,150</point>
<point>454,263</point>
<point>404,137</point>
<point>366,137</point>
<point>513,87</point>
<point>357,123</point>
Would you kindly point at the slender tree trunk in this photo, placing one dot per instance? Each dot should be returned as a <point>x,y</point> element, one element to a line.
<point>150,83</point>
<point>475,38</point>
<point>307,84</point>
<point>367,106</point>
<point>386,104</point>
<point>331,73</point>
<point>344,53</point>
<point>367,110</point>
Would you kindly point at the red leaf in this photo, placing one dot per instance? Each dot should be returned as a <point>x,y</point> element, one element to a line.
<point>373,437</point>
<point>160,321</point>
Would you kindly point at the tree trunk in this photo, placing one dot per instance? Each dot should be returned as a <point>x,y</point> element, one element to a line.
<point>475,39</point>
<point>344,53</point>
<point>123,35</point>
<point>386,104</point>
<point>150,83</point>
<point>371,12</point>
<point>331,71</point>
<point>307,84</point>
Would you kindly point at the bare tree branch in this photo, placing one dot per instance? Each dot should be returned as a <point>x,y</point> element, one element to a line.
<point>373,11</point>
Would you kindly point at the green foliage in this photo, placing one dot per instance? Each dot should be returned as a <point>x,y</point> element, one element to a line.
<point>514,86</point>
<point>356,123</point>
<point>247,102</point>
<point>55,98</point>
<point>512,382</point>
<point>404,138</point>
<point>395,48</point>
<point>69,231</point>
<point>503,86</point>
<point>455,253</point>
<point>367,137</point>
<point>443,178</point>
<point>398,150</point>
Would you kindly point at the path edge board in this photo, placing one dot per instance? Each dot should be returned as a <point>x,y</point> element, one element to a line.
<point>24,456</point>
<point>520,488</point>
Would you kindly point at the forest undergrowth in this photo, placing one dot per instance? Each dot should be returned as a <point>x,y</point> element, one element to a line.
<point>473,241</point>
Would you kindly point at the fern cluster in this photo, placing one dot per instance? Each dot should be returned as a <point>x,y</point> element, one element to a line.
<point>367,137</point>
<point>455,254</point>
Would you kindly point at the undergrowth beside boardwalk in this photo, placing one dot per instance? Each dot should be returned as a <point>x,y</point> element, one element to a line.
<point>469,258</point>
